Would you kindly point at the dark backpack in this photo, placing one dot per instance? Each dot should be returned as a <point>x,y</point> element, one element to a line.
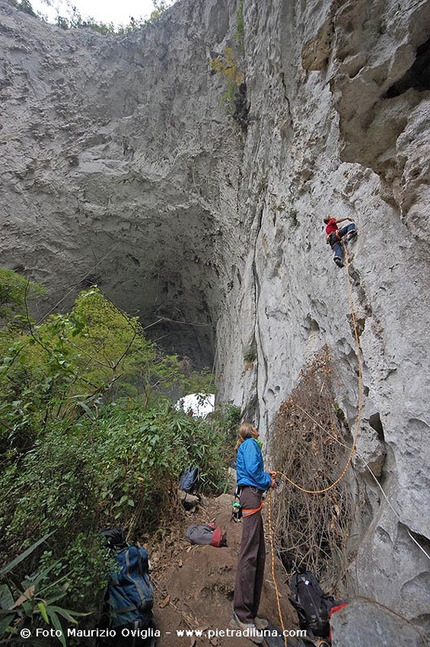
<point>130,594</point>
<point>190,480</point>
<point>311,603</point>
<point>115,538</point>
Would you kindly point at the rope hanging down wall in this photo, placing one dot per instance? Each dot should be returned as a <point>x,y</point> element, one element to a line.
<point>352,450</point>
<point>359,404</point>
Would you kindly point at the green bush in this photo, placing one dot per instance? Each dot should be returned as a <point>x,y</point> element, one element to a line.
<point>33,601</point>
<point>15,292</point>
<point>72,364</point>
<point>122,469</point>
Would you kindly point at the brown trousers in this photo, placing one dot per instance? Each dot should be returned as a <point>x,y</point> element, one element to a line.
<point>252,556</point>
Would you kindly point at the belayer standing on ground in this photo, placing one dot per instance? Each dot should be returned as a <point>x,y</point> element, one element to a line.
<point>252,482</point>
<point>335,236</point>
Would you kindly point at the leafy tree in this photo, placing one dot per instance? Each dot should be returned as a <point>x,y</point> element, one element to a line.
<point>74,20</point>
<point>23,5</point>
<point>34,600</point>
<point>15,291</point>
<point>73,363</point>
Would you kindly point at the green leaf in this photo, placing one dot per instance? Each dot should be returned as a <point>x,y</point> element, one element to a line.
<point>41,575</point>
<point>87,410</point>
<point>57,625</point>
<point>6,621</point>
<point>42,608</point>
<point>25,554</point>
<point>70,615</point>
<point>27,607</point>
<point>6,597</point>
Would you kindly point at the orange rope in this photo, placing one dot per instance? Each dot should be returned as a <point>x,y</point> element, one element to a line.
<point>247,512</point>
<point>360,399</point>
<point>272,555</point>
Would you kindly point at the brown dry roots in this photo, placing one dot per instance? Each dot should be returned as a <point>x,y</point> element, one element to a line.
<point>308,446</point>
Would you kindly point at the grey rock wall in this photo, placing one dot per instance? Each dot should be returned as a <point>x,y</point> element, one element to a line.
<point>120,165</point>
<point>365,623</point>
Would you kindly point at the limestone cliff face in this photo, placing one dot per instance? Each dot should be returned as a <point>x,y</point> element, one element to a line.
<point>120,165</point>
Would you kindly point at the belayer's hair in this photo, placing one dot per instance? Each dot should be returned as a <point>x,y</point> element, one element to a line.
<point>245,431</point>
<point>327,218</point>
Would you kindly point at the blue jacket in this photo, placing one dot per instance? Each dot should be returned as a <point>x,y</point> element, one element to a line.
<point>250,467</point>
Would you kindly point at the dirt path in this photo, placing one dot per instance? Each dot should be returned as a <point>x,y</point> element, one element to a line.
<point>194,585</point>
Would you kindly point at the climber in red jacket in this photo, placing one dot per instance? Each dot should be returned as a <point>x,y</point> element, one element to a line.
<point>335,236</point>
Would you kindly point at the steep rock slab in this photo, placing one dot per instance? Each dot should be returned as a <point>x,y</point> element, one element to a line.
<point>365,623</point>
<point>295,299</point>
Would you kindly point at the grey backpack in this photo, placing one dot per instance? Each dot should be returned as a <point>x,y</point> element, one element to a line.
<point>206,534</point>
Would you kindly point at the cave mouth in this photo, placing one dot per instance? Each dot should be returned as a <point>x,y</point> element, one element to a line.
<point>417,77</point>
<point>193,344</point>
<point>175,298</point>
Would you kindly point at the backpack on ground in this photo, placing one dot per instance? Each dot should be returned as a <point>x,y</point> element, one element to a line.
<point>115,538</point>
<point>190,480</point>
<point>130,592</point>
<point>311,603</point>
<point>129,595</point>
<point>206,535</point>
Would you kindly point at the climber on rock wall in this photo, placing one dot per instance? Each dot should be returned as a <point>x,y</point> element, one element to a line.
<point>336,237</point>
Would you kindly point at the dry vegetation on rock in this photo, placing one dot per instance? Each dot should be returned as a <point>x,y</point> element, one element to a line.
<point>308,445</point>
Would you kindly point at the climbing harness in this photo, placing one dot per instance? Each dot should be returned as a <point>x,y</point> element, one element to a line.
<point>334,238</point>
<point>247,512</point>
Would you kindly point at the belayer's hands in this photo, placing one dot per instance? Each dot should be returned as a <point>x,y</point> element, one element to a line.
<point>273,483</point>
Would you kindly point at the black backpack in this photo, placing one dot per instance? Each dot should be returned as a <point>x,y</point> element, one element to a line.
<point>311,603</point>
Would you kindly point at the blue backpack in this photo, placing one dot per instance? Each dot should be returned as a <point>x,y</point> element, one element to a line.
<point>130,594</point>
<point>190,480</point>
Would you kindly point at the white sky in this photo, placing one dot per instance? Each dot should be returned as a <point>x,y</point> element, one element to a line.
<point>106,11</point>
<point>200,406</point>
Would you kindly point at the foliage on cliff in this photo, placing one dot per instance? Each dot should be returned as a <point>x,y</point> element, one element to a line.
<point>74,20</point>
<point>230,66</point>
<point>15,293</point>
